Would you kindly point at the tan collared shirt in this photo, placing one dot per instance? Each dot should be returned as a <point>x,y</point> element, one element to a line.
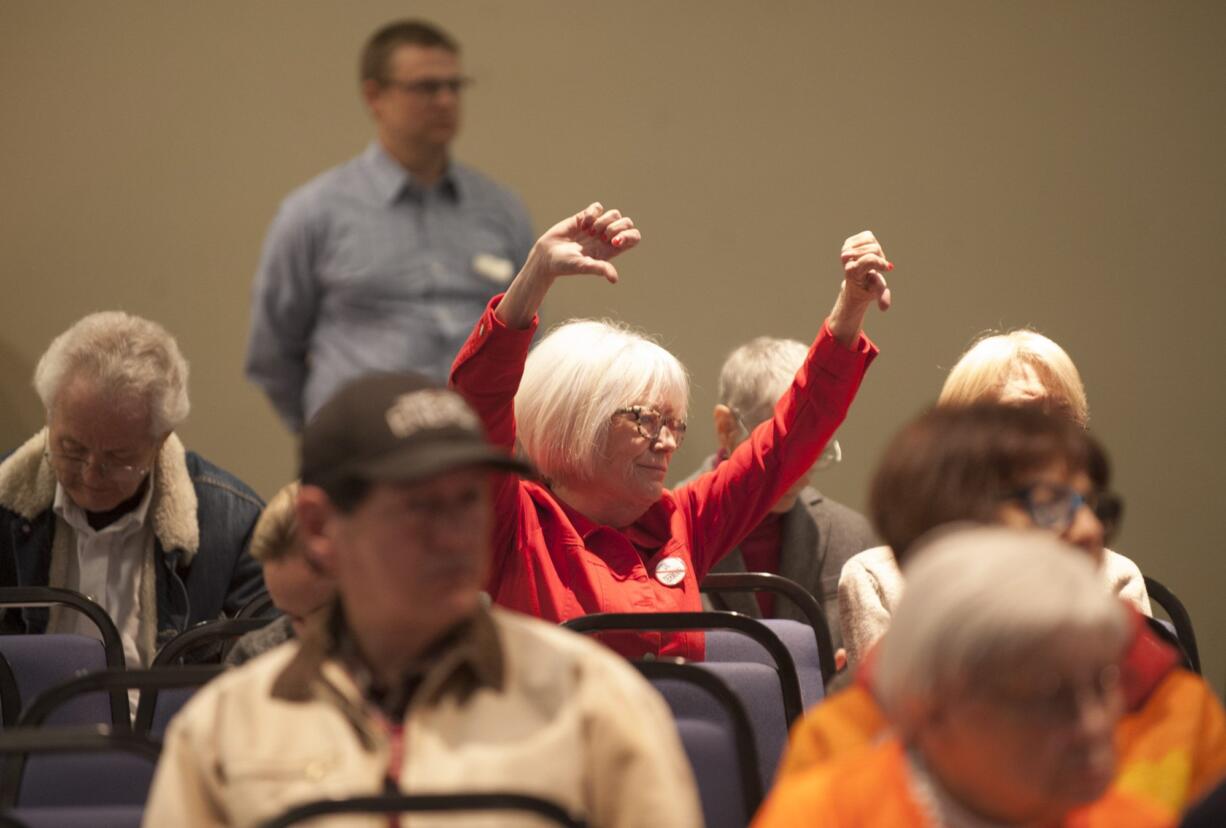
<point>508,703</point>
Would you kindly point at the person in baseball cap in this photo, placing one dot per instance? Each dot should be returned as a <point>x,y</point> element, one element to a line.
<point>410,680</point>
<point>396,476</point>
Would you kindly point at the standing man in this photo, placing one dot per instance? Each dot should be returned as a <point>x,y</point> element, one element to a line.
<point>409,681</point>
<point>385,262</point>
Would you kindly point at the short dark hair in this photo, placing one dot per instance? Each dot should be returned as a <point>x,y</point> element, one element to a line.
<point>957,464</point>
<point>377,53</point>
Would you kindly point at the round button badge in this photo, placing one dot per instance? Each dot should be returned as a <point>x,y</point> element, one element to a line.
<point>670,571</point>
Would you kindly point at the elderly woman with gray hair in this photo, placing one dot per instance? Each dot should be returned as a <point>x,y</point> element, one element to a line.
<point>1001,682</point>
<point>106,501</point>
<point>600,411</point>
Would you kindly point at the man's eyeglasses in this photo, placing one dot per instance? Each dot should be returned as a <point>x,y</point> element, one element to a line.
<point>651,422</point>
<point>430,87</point>
<point>72,465</point>
<point>1055,507</point>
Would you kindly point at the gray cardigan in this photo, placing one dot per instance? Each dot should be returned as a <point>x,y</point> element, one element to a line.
<point>819,535</point>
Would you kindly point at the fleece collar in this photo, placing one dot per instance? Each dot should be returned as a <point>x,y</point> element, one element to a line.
<point>27,487</point>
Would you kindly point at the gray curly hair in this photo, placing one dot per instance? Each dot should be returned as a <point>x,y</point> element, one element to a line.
<point>120,354</point>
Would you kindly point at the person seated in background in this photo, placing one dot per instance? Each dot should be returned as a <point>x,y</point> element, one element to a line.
<point>1000,682</point>
<point>409,682</point>
<point>991,463</point>
<point>106,501</point>
<point>295,584</point>
<point>601,410</point>
<point>1021,467</point>
<point>807,536</point>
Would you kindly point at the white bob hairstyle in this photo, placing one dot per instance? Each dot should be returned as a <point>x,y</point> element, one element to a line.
<point>983,602</point>
<point>122,356</point>
<point>987,366</point>
<point>575,379</point>
<point>757,374</point>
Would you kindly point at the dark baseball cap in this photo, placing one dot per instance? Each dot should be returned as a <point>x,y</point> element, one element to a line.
<point>396,428</point>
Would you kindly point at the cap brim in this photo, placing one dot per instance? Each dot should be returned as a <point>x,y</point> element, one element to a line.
<point>416,463</point>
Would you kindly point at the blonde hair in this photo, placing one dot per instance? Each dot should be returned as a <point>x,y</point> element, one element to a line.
<point>119,354</point>
<point>273,537</point>
<point>987,366</point>
<point>575,379</point>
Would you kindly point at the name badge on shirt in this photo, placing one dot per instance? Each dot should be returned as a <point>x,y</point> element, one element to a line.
<point>494,268</point>
<point>670,571</point>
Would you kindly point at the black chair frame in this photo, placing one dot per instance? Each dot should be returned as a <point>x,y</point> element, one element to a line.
<point>395,803</point>
<point>256,607</point>
<point>22,741</point>
<point>677,621</point>
<point>205,634</point>
<point>112,644</point>
<point>1179,616</point>
<point>148,681</point>
<point>742,731</point>
<point>10,694</point>
<point>809,606</point>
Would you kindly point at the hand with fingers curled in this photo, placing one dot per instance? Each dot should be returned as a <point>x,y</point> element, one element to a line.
<point>581,245</point>
<point>584,243</point>
<point>864,266</point>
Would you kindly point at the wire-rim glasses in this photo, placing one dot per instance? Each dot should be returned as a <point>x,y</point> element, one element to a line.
<point>74,465</point>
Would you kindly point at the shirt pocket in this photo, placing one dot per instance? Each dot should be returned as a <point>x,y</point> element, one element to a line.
<point>488,254</point>
<point>258,789</point>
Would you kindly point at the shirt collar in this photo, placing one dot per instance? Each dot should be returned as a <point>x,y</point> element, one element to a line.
<point>75,516</point>
<point>392,180</point>
<point>464,658</point>
<point>649,532</point>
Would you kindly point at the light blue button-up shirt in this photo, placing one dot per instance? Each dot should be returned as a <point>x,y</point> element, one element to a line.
<point>366,270</point>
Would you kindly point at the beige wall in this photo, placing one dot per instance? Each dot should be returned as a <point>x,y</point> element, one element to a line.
<point>1043,163</point>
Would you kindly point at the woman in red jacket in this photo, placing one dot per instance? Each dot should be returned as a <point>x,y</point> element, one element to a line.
<point>601,410</point>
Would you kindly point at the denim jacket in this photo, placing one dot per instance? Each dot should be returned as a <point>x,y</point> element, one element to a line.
<point>202,518</point>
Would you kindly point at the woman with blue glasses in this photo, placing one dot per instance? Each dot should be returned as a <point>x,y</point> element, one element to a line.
<point>1015,465</point>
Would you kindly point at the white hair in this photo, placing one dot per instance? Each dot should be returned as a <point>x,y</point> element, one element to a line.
<point>123,355</point>
<point>980,602</point>
<point>575,379</point>
<point>757,374</point>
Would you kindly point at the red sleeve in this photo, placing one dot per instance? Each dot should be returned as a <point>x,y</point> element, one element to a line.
<point>723,505</point>
<point>486,373</point>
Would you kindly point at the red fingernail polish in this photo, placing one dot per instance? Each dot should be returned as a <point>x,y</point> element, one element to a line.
<point>889,265</point>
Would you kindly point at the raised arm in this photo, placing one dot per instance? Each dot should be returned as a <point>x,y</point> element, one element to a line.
<point>727,503</point>
<point>580,245</point>
<point>489,367</point>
